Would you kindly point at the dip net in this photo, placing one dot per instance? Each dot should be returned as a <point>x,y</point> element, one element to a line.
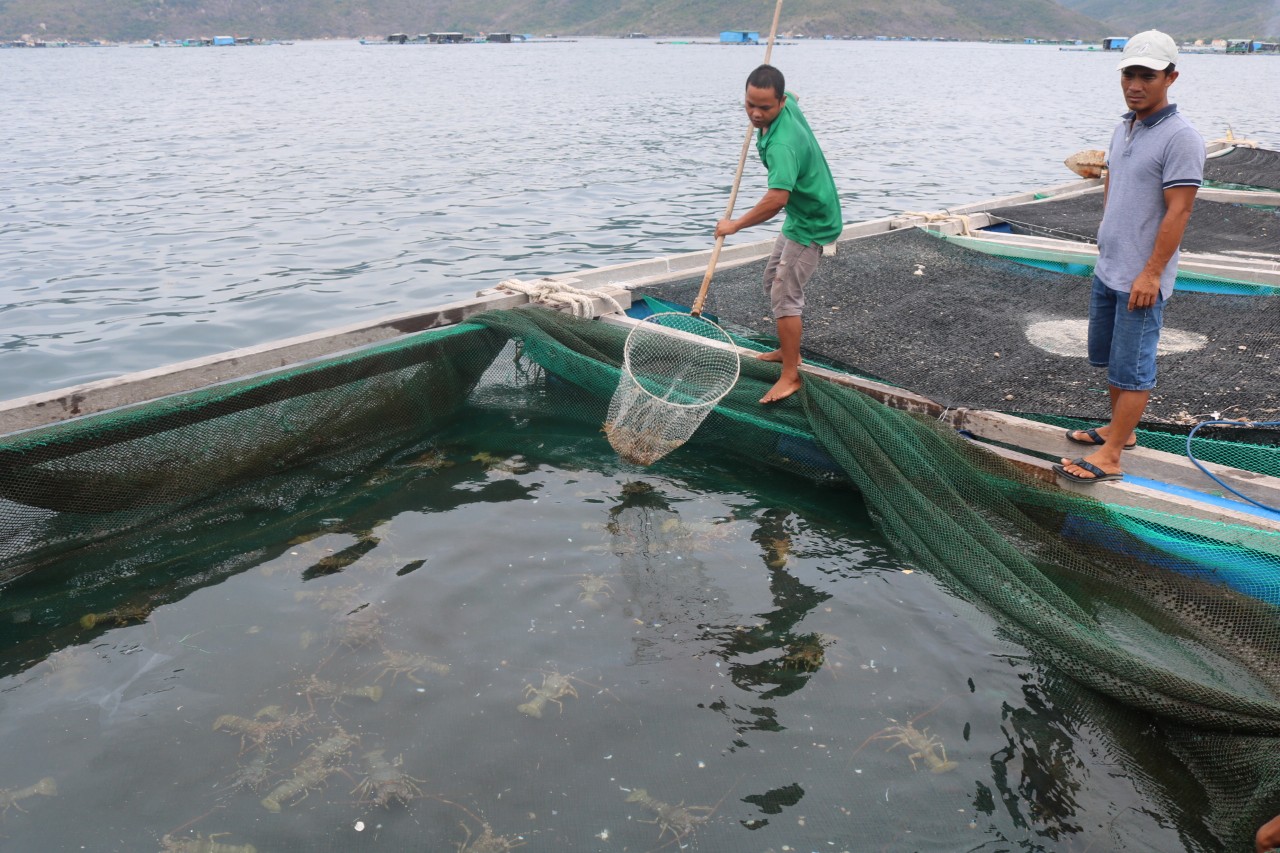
<point>1175,618</point>
<point>675,368</point>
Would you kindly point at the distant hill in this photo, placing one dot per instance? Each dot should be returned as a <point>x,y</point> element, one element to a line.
<point>1187,19</point>
<point>127,20</point>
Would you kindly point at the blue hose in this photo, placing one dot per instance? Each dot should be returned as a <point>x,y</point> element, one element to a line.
<point>1206,471</point>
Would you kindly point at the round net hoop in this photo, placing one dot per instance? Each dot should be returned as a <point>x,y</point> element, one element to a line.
<point>675,369</point>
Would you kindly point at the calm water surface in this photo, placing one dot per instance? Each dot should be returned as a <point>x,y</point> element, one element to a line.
<point>157,205</point>
<point>729,639</point>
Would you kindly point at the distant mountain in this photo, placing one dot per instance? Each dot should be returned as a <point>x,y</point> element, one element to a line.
<point>144,19</point>
<point>1187,19</point>
<point>966,19</point>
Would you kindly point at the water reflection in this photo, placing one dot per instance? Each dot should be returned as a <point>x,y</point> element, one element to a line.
<point>799,654</point>
<point>1037,774</point>
<point>671,593</point>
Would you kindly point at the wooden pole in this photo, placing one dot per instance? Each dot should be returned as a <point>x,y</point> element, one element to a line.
<point>737,180</point>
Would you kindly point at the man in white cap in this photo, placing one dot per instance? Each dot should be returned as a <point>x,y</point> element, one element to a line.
<point>1154,166</point>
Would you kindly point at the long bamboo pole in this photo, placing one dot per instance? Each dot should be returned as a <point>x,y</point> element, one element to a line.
<point>737,180</point>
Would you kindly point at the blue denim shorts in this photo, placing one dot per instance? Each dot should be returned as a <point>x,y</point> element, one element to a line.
<point>1124,341</point>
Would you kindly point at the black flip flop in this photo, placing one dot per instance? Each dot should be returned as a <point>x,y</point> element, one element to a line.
<point>1095,440</point>
<point>1098,474</point>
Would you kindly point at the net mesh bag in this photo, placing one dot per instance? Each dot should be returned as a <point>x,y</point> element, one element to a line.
<point>1131,613</point>
<point>676,367</point>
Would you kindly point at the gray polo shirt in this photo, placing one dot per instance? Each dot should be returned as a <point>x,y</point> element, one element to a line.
<point>1145,158</point>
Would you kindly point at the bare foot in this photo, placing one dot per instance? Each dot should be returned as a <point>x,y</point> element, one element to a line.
<point>776,355</point>
<point>782,389</point>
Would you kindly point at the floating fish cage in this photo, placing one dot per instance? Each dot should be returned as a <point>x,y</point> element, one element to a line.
<point>401,594</point>
<point>406,597</point>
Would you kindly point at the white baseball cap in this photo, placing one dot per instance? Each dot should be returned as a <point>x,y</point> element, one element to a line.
<point>1150,49</point>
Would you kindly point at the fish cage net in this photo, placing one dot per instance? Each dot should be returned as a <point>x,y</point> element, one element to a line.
<point>1254,168</point>
<point>1215,227</point>
<point>1008,334</point>
<point>1129,608</point>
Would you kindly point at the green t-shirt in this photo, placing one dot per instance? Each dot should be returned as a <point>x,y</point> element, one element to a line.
<point>795,163</point>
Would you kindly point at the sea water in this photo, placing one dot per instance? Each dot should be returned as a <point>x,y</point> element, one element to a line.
<point>560,650</point>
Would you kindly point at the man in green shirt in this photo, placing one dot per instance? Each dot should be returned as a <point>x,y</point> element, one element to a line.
<point>800,182</point>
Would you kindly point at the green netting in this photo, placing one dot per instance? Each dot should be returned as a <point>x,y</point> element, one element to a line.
<point>1255,573</point>
<point>1258,455</point>
<point>73,482</point>
<point>1136,609</point>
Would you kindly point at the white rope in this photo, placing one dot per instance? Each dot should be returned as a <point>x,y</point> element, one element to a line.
<point>1232,139</point>
<point>944,216</point>
<point>1236,143</point>
<point>557,294</point>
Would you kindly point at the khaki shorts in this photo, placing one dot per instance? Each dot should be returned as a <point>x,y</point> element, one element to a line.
<point>789,269</point>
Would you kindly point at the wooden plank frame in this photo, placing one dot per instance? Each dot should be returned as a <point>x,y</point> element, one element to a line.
<point>1255,268</point>
<point>38,410</point>
<point>617,280</point>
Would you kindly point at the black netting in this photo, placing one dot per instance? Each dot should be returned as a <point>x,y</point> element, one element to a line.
<point>1215,227</point>
<point>967,329</point>
<point>1248,167</point>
